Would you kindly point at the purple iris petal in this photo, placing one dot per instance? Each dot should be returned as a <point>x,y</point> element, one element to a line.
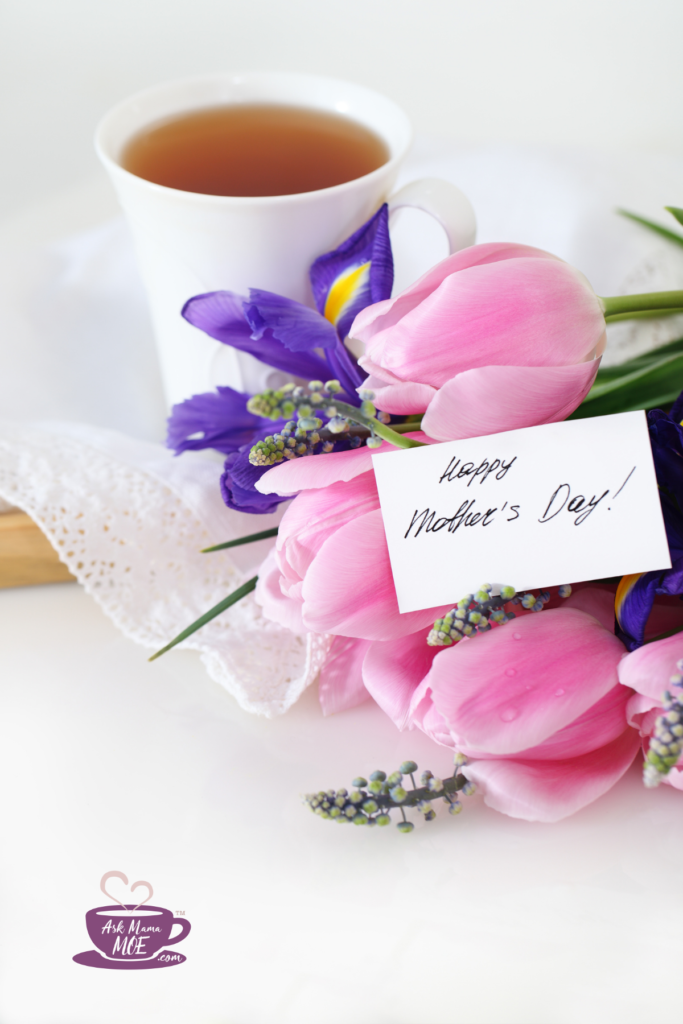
<point>238,485</point>
<point>239,476</point>
<point>636,606</point>
<point>299,328</point>
<point>346,370</point>
<point>666,440</point>
<point>221,316</point>
<point>220,418</point>
<point>676,413</point>
<point>369,244</point>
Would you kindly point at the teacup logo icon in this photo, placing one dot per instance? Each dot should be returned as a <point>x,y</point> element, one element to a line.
<point>132,936</point>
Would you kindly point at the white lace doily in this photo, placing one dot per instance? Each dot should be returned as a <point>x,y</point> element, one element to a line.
<point>129,520</point>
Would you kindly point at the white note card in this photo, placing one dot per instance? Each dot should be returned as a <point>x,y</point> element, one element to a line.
<point>530,508</point>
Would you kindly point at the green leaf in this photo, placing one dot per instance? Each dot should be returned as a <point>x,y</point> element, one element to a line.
<point>659,229</point>
<point>263,535</point>
<point>231,599</point>
<point>655,384</point>
<point>606,373</point>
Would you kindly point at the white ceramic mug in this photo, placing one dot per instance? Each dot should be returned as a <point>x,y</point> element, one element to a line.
<point>188,243</point>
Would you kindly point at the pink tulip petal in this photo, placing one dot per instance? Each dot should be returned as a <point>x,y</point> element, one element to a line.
<point>309,521</point>
<point>426,717</point>
<point>378,375</point>
<point>675,777</point>
<point>393,670</point>
<point>593,601</point>
<point>349,589</point>
<point>384,314</point>
<point>601,724</point>
<point>404,399</point>
<point>642,712</point>
<point>276,606</point>
<point>341,685</point>
<point>552,790</point>
<point>511,689</point>
<point>319,471</point>
<point>371,383</point>
<point>492,399</point>
<point>538,312</point>
<point>648,669</point>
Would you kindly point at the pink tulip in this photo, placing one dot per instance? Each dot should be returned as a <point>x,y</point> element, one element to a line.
<point>330,569</point>
<point>493,338</point>
<point>647,670</point>
<point>536,705</point>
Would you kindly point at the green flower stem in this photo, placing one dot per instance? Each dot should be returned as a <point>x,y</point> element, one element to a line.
<point>645,314</point>
<point>404,428</point>
<point>350,412</point>
<point>617,304</point>
<point>414,796</point>
<point>231,599</point>
<point>263,535</point>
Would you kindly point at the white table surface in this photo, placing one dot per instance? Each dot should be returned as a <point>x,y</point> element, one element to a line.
<point>110,763</point>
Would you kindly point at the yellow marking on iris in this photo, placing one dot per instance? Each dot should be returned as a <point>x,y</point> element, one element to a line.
<point>344,289</point>
<point>626,585</point>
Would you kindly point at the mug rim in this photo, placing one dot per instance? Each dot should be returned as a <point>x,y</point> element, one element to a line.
<point>109,123</point>
<point>128,907</point>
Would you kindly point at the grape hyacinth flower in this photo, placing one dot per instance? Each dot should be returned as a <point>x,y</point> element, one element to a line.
<point>371,803</point>
<point>309,435</point>
<point>666,742</point>
<point>480,612</point>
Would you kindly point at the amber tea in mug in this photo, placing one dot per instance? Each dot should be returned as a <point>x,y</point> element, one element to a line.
<point>250,149</point>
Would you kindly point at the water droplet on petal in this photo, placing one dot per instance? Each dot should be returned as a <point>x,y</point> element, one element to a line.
<point>509,714</point>
<point>510,672</point>
<point>559,692</point>
<point>516,636</point>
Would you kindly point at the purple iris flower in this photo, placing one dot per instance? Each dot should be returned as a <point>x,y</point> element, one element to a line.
<point>302,342</point>
<point>217,419</point>
<point>636,593</point>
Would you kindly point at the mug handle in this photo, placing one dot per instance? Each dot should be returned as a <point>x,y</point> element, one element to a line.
<point>443,201</point>
<point>185,925</point>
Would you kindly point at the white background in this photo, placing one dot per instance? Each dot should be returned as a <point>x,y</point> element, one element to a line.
<point>108,763</point>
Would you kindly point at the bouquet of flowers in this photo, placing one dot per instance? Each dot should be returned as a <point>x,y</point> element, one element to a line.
<point>544,712</point>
